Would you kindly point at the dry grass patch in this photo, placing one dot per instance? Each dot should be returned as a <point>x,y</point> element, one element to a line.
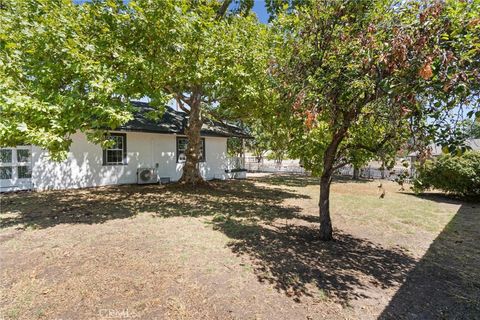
<point>236,250</point>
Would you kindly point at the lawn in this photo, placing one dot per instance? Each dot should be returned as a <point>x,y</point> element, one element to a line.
<point>238,250</point>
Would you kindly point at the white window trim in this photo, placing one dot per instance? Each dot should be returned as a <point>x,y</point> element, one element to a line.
<point>123,151</point>
<point>14,164</point>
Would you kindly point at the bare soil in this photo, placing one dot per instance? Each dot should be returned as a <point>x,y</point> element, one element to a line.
<point>238,250</point>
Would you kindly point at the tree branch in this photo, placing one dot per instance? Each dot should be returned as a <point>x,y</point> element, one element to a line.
<point>376,148</point>
<point>223,8</point>
<point>340,165</point>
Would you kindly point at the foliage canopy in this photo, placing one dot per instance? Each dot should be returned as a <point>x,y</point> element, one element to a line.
<point>66,67</point>
<point>358,79</point>
<point>366,75</point>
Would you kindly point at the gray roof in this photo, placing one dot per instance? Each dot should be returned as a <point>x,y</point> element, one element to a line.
<point>474,144</point>
<point>436,149</point>
<point>174,122</point>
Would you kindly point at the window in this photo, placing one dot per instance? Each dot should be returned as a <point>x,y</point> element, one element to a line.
<point>182,144</point>
<point>6,159</point>
<point>116,154</point>
<point>6,156</point>
<point>15,163</point>
<point>24,170</point>
<point>5,172</point>
<point>23,155</point>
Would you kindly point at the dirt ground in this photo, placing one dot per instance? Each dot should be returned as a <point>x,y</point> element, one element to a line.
<point>238,250</point>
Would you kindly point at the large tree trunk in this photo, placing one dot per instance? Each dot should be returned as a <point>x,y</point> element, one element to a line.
<point>191,171</point>
<point>326,231</point>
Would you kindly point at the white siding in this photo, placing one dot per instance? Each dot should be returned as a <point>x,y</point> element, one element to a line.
<point>84,168</point>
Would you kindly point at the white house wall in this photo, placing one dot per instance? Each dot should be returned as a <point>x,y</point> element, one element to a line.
<point>84,167</point>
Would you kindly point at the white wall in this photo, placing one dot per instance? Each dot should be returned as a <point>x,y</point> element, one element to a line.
<point>84,168</point>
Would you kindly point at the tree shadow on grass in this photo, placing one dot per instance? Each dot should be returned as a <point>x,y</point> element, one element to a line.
<point>445,283</point>
<point>292,260</point>
<point>301,180</point>
<point>288,180</point>
<point>97,205</point>
<point>282,253</point>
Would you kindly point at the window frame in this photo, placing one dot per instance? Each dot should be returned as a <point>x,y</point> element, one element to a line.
<point>8,166</point>
<point>124,150</point>
<point>24,164</point>
<point>202,146</point>
<point>15,164</point>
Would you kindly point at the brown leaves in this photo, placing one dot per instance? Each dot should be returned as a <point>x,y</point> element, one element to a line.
<point>431,12</point>
<point>298,100</point>
<point>474,22</point>
<point>405,110</point>
<point>309,120</point>
<point>447,87</point>
<point>400,46</point>
<point>426,71</point>
<point>420,43</point>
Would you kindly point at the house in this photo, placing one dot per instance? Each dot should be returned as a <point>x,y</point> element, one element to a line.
<point>143,143</point>
<point>435,151</point>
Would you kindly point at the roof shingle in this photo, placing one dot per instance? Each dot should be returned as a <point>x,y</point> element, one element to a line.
<point>174,122</point>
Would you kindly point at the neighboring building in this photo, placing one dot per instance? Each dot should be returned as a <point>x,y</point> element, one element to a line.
<point>436,151</point>
<point>143,143</point>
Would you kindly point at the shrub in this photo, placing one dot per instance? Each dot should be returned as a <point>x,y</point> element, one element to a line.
<point>454,174</point>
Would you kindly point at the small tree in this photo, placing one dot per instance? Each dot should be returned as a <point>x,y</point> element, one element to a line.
<point>260,143</point>
<point>361,76</point>
<point>235,147</point>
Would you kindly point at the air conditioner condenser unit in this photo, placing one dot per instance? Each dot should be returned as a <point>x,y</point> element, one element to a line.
<point>147,175</point>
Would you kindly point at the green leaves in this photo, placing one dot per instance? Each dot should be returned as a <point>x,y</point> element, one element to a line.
<point>373,75</point>
<point>60,72</point>
<point>66,67</point>
<point>188,49</point>
<point>456,174</point>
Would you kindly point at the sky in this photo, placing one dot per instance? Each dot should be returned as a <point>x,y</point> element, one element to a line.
<point>261,11</point>
<point>258,7</point>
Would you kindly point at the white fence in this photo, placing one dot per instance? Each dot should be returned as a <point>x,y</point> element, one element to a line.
<point>251,164</point>
<point>268,167</point>
<point>286,166</point>
<point>293,166</point>
<point>374,173</point>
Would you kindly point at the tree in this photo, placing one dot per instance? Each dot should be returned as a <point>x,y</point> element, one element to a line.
<point>61,71</point>
<point>234,7</point>
<point>235,147</point>
<point>212,67</point>
<point>358,78</point>
<point>67,67</point>
<point>275,7</point>
<point>474,130</point>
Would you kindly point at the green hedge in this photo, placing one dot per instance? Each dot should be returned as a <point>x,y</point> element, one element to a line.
<point>454,174</point>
